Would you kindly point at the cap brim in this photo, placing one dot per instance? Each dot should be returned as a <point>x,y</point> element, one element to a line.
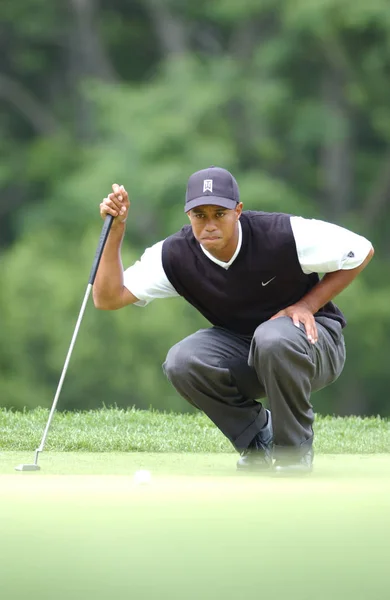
<point>215,200</point>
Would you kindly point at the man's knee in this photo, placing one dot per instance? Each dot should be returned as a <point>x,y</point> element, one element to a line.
<point>273,339</point>
<point>176,364</point>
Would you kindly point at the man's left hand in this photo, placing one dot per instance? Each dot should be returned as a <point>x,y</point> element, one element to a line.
<point>300,313</point>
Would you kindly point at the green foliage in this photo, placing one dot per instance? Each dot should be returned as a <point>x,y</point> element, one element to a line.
<point>280,93</point>
<point>116,352</point>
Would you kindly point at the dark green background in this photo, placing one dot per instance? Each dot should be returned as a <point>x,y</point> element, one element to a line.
<point>292,96</point>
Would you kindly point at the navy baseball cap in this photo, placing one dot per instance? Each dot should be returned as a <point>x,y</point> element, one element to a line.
<point>212,186</point>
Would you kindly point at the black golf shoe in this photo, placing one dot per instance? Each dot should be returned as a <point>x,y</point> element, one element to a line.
<point>258,455</point>
<point>290,465</point>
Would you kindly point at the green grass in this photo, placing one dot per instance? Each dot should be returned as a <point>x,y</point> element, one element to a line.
<point>115,430</point>
<point>182,465</point>
<point>82,529</point>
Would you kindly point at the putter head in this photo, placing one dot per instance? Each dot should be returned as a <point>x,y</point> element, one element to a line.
<point>27,468</point>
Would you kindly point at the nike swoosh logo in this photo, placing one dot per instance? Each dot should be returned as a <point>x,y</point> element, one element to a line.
<point>267,282</point>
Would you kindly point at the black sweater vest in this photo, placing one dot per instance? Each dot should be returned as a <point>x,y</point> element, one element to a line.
<point>236,298</point>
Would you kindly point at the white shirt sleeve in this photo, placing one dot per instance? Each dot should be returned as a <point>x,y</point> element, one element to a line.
<point>146,279</point>
<point>323,247</point>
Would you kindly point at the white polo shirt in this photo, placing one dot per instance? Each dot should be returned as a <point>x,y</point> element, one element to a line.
<point>321,247</point>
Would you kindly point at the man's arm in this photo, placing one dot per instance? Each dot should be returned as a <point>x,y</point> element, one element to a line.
<point>325,248</point>
<point>331,285</point>
<point>325,290</point>
<point>108,291</point>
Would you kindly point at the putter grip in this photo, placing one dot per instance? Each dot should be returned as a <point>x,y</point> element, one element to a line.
<point>99,250</point>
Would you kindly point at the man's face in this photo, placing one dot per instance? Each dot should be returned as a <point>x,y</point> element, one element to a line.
<point>215,227</point>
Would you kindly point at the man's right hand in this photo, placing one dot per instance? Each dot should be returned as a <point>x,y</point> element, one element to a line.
<point>116,204</point>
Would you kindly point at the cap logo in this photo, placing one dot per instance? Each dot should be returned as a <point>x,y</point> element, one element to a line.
<point>207,185</point>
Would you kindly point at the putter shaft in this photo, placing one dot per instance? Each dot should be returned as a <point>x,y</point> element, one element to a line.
<point>99,251</point>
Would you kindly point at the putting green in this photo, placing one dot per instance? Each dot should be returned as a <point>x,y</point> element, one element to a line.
<point>82,529</point>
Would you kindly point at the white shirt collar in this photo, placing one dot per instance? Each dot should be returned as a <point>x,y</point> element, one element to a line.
<point>221,263</point>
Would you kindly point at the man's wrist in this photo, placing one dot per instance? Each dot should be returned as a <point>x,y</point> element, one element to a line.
<point>118,227</point>
<point>308,305</point>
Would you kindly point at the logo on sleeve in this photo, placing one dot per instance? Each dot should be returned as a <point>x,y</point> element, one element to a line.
<point>207,185</point>
<point>351,254</point>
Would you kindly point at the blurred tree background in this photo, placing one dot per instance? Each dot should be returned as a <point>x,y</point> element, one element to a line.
<point>291,95</point>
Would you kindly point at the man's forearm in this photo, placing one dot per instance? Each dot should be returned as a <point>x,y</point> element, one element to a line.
<point>108,284</point>
<point>331,285</point>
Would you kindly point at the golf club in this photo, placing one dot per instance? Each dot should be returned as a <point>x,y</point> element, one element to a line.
<point>102,241</point>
